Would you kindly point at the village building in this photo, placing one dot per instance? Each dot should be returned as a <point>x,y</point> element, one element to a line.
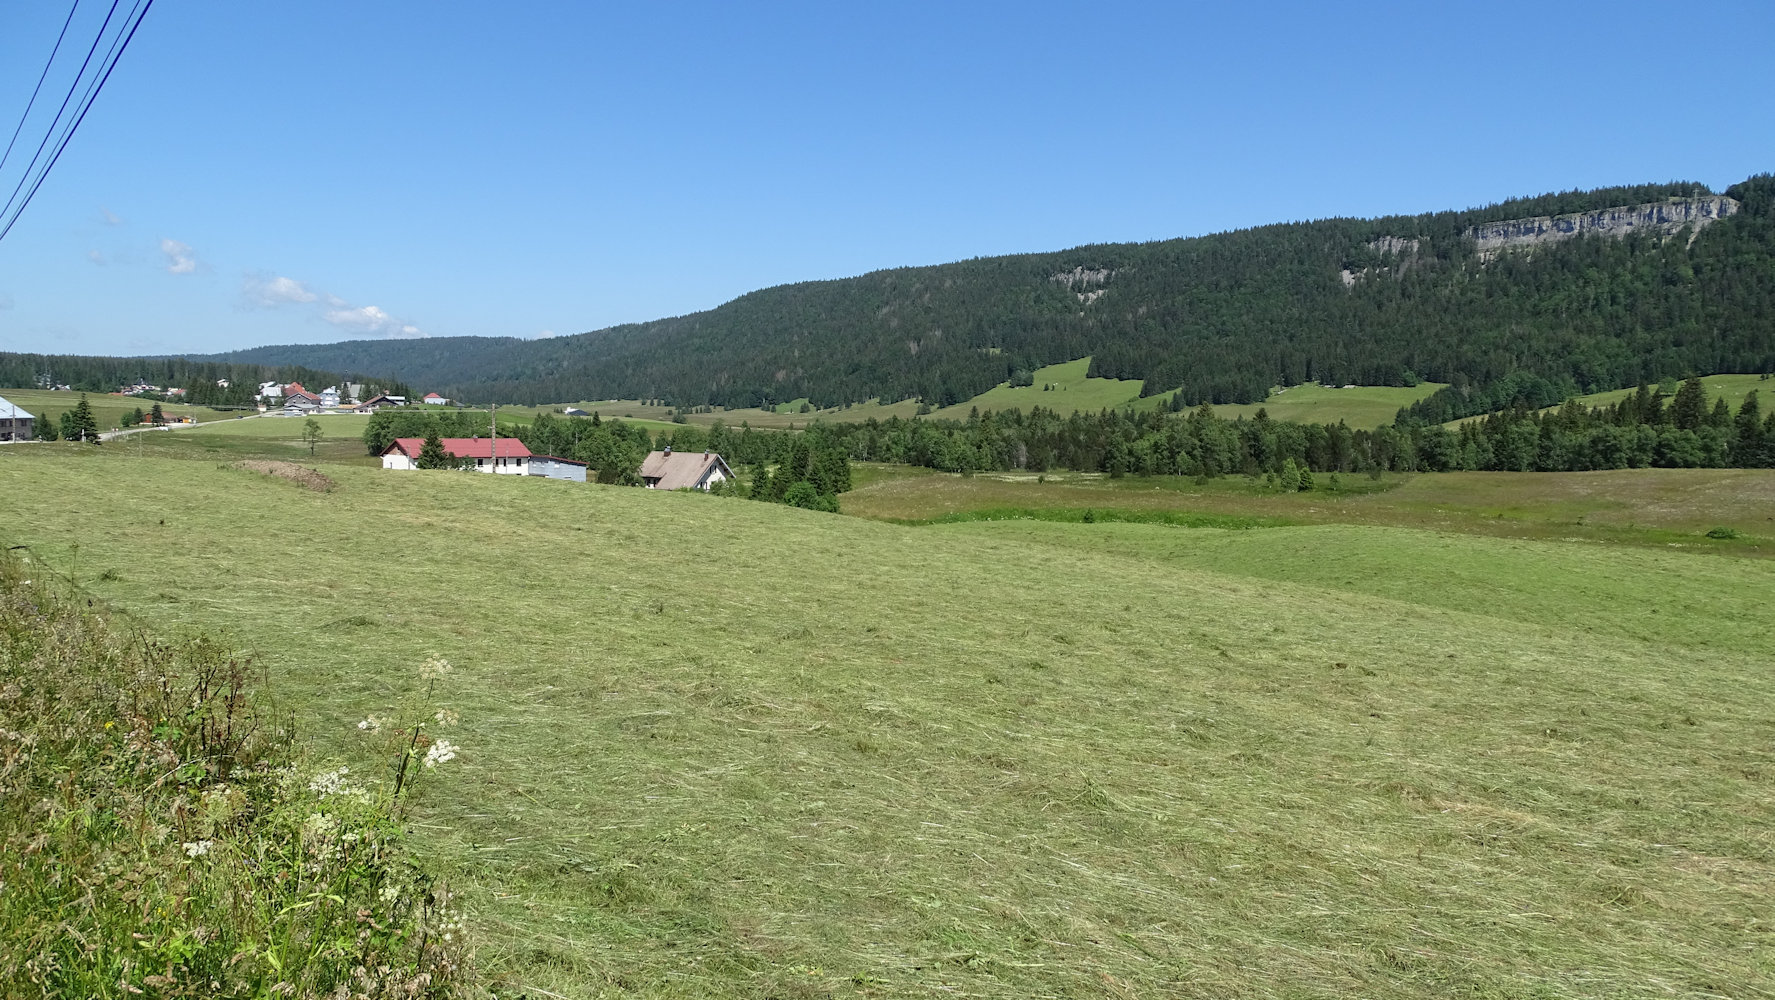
<point>434,399</point>
<point>510,459</point>
<point>668,470</point>
<point>16,424</point>
<point>329,397</point>
<point>557,468</point>
<point>271,390</point>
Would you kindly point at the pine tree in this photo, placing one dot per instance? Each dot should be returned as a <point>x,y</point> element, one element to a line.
<point>1689,409</point>
<point>85,428</point>
<point>1748,446</point>
<point>432,454</point>
<point>157,416</point>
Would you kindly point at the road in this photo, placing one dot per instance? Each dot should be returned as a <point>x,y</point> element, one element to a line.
<point>114,435</point>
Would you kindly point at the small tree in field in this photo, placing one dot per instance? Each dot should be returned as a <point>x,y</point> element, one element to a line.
<point>79,424</point>
<point>157,416</point>
<point>311,432</point>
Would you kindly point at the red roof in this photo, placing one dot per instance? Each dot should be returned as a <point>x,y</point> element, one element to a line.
<point>433,395</point>
<point>464,447</point>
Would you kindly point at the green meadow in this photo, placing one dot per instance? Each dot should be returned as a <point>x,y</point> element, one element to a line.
<point>717,748</point>
<point>1066,389</point>
<point>107,408</point>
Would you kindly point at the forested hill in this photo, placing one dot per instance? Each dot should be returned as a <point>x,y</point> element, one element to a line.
<point>1585,289</point>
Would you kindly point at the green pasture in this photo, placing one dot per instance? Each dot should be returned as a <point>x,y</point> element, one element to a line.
<point>1644,507</point>
<point>1731,388</point>
<point>1362,407</point>
<point>1071,391</point>
<point>718,748</point>
<point>107,408</point>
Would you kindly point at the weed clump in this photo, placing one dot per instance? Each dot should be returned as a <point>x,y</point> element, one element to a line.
<point>161,834</point>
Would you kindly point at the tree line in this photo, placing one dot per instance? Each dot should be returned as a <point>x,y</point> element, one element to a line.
<point>198,378</point>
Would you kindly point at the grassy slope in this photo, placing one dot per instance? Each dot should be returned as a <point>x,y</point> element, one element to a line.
<point>808,755</point>
<point>1362,407</point>
<point>1731,388</point>
<point>107,409</point>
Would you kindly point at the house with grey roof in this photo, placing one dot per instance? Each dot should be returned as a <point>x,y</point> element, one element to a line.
<point>16,424</point>
<point>684,470</point>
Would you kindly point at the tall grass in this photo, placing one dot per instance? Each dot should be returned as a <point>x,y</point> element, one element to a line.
<point>163,834</point>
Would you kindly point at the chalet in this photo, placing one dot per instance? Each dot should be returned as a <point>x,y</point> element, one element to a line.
<point>329,397</point>
<point>510,459</point>
<point>574,411</point>
<point>271,390</point>
<point>433,399</point>
<point>557,468</point>
<point>15,424</point>
<point>299,400</point>
<point>375,403</point>
<point>666,470</point>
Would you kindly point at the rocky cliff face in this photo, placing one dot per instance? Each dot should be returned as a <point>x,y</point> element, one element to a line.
<point>1662,217</point>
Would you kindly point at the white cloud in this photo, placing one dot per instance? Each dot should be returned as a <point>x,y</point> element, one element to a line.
<point>97,257</point>
<point>110,219</point>
<point>275,290</point>
<point>271,291</point>
<point>180,259</point>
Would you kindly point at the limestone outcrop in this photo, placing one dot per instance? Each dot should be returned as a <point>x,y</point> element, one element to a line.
<point>1661,217</point>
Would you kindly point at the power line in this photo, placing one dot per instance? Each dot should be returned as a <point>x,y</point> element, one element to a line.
<point>72,88</point>
<point>40,78</point>
<point>132,21</point>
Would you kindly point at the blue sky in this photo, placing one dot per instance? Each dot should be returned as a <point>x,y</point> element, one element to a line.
<point>258,173</point>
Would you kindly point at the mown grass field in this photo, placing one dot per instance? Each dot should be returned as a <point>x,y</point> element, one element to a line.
<point>107,409</point>
<point>717,748</point>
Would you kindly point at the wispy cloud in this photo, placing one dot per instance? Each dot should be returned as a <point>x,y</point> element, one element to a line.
<point>97,257</point>
<point>271,291</point>
<point>268,290</point>
<point>110,218</point>
<point>180,258</point>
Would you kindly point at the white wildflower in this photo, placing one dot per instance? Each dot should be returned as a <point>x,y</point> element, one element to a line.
<point>372,724</point>
<point>440,752</point>
<point>447,717</point>
<point>434,668</point>
<point>197,848</point>
<point>332,783</point>
<point>390,893</point>
<point>320,825</point>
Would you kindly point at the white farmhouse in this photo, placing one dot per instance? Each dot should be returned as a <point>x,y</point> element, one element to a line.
<point>510,459</point>
<point>666,470</point>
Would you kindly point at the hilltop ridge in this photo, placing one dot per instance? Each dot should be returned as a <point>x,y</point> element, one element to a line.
<point>1620,285</point>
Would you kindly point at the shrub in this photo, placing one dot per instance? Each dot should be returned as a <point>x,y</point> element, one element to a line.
<point>1722,533</point>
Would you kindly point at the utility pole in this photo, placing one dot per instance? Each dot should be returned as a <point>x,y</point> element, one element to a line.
<point>493,432</point>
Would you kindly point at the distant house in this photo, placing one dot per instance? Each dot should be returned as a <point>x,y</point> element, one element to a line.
<point>574,411</point>
<point>16,424</point>
<point>375,403</point>
<point>299,400</point>
<point>668,470</point>
<point>557,468</point>
<point>434,399</point>
<point>271,390</point>
<point>511,459</point>
<point>329,396</point>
